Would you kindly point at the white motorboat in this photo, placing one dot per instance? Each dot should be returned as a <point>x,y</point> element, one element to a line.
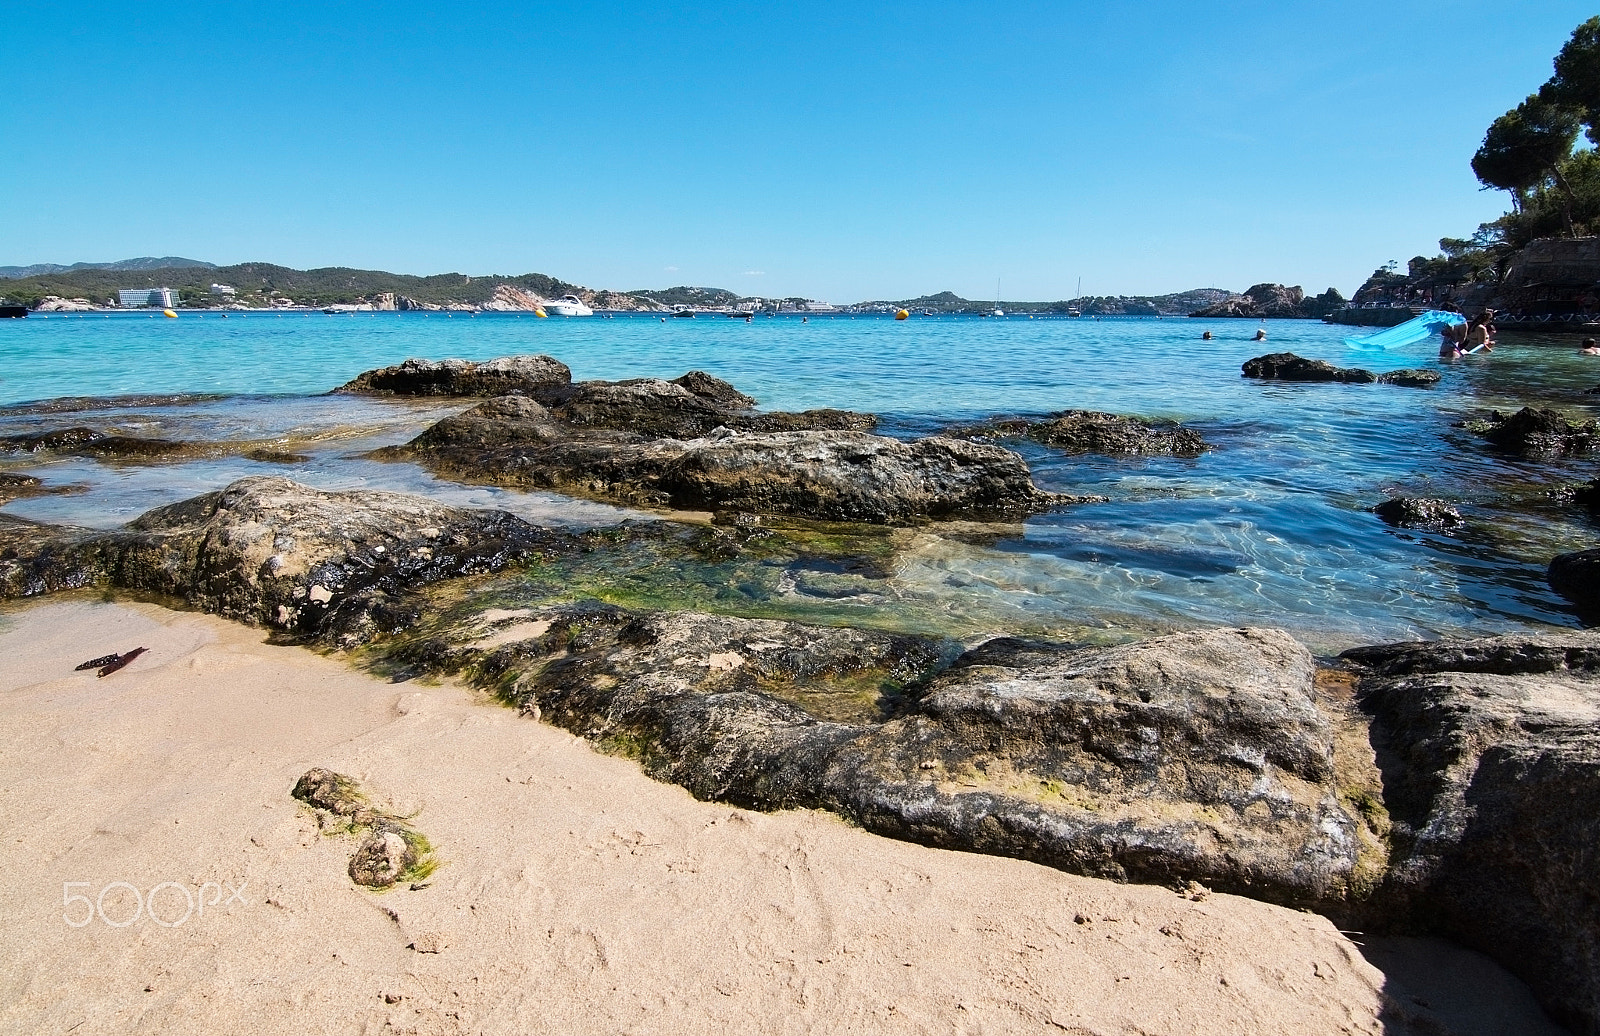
<point>568,306</point>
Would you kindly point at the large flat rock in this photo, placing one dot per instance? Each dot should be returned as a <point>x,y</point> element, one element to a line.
<point>1194,757</point>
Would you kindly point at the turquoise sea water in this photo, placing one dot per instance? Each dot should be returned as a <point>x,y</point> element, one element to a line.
<point>1270,528</point>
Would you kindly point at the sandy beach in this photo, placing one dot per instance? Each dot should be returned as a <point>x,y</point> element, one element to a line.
<point>575,895</point>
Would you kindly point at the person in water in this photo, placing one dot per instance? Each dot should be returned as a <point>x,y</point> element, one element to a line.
<point>1453,335</point>
<point>1589,348</point>
<point>1261,335</point>
<point>1206,337</point>
<point>1479,337</point>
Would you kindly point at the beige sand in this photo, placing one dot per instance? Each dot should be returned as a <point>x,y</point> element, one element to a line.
<point>577,896</point>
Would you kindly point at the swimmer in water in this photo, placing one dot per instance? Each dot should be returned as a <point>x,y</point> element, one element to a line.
<point>1589,348</point>
<point>1206,336</point>
<point>1261,335</point>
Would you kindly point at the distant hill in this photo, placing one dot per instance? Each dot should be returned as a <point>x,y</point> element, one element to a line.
<point>1178,304</point>
<point>684,295</point>
<point>147,263</point>
<point>256,283</point>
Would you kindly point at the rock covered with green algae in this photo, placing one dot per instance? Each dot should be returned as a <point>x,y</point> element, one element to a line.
<point>1197,756</point>
<point>1490,751</point>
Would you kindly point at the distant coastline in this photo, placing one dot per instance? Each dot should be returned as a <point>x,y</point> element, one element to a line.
<point>199,285</point>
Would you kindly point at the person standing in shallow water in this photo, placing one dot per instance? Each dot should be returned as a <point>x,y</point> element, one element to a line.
<point>1478,335</point>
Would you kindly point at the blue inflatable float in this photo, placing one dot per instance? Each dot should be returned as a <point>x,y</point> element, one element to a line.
<point>1408,333</point>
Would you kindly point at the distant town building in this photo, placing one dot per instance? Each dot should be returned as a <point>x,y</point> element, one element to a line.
<point>146,298</point>
<point>222,289</point>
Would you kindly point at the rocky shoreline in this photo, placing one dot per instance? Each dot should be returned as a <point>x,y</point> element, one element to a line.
<point>1403,787</point>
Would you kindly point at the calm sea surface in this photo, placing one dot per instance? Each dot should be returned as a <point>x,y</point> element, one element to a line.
<point>1270,528</point>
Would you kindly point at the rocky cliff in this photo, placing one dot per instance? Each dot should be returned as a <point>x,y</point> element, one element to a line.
<point>1275,300</point>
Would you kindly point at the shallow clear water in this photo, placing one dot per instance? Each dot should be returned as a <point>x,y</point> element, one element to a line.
<point>1268,528</point>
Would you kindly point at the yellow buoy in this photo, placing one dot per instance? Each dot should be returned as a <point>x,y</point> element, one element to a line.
<point>538,311</point>
<point>169,313</point>
<point>901,314</point>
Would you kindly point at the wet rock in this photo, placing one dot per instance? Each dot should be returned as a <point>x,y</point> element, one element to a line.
<point>341,567</point>
<point>39,559</point>
<point>1289,367</point>
<point>56,439</point>
<point>825,475</point>
<point>654,408</point>
<point>1087,431</point>
<point>129,447</point>
<point>499,377</point>
<point>714,389</point>
<point>90,443</point>
<point>1490,752</point>
<point>1419,513</point>
<point>1576,577</point>
<point>264,456</point>
<point>695,443</point>
<point>15,487</point>
<point>1539,433</point>
<point>383,857</point>
<point>1410,377</point>
<point>1587,496</point>
<point>1192,757</point>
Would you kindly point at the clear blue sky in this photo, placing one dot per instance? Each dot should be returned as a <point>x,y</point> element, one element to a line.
<point>834,150</point>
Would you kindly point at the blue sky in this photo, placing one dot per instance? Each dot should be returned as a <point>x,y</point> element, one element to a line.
<point>834,150</point>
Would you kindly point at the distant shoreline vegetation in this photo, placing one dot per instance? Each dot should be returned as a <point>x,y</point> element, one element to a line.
<point>263,285</point>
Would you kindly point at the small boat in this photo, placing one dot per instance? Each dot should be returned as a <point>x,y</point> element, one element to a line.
<point>683,311</point>
<point>10,310</point>
<point>568,306</point>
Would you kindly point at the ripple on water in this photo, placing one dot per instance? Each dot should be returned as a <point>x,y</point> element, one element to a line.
<point>1268,528</point>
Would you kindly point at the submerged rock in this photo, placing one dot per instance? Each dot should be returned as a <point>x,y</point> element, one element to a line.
<point>1490,751</point>
<point>1289,367</point>
<point>1419,512</point>
<point>499,377</point>
<point>1539,433</point>
<point>1410,377</point>
<point>87,442</point>
<point>1576,577</point>
<point>1588,496</point>
<point>1199,756</point>
<point>55,439</point>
